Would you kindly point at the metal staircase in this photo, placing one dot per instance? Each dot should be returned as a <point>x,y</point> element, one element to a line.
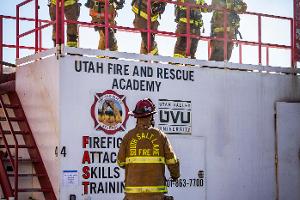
<point>21,166</point>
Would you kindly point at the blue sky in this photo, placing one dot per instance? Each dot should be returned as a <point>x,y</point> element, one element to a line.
<point>273,31</point>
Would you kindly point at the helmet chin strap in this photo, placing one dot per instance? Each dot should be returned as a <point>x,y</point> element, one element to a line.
<point>152,121</point>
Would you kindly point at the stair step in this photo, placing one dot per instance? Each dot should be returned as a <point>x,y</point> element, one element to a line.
<point>20,146</point>
<point>14,119</point>
<point>16,132</point>
<point>22,160</point>
<point>27,175</point>
<point>34,190</point>
<point>11,106</point>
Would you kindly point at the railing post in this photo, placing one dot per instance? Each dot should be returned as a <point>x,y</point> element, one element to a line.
<point>294,24</point>
<point>36,25</point>
<point>208,49</point>
<point>57,24</point>
<point>40,37</point>
<point>259,40</point>
<point>1,44</point>
<point>60,22</point>
<point>293,43</point>
<point>225,39</point>
<point>240,54</point>
<point>267,56</point>
<point>188,31</point>
<point>149,26</point>
<point>106,13</point>
<point>17,31</point>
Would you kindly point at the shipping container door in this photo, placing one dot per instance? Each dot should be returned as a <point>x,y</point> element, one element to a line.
<point>192,183</point>
<point>288,142</point>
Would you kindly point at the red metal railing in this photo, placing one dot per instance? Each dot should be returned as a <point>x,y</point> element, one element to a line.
<point>37,28</point>
<point>241,43</point>
<point>17,46</point>
<point>60,23</point>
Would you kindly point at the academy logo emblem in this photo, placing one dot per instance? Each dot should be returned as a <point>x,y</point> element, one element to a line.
<point>109,112</point>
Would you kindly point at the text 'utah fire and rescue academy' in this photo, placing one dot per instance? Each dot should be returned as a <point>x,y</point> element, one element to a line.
<point>150,75</point>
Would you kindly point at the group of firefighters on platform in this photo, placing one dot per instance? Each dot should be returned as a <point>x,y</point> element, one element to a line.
<point>139,7</point>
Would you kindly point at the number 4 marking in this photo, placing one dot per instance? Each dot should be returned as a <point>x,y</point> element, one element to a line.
<point>63,151</point>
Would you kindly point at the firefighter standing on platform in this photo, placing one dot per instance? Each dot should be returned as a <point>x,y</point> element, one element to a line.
<point>97,12</point>
<point>234,7</point>
<point>72,12</point>
<point>196,23</point>
<point>143,153</point>
<point>139,7</point>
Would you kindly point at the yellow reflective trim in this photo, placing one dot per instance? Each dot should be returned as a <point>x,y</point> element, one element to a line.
<point>171,161</point>
<point>72,44</point>
<point>145,159</point>
<point>143,14</point>
<point>201,9</point>
<point>177,55</point>
<point>198,2</point>
<point>146,189</point>
<point>196,22</point>
<point>100,56</point>
<point>228,5</point>
<point>221,29</point>
<point>67,2</point>
<point>154,51</point>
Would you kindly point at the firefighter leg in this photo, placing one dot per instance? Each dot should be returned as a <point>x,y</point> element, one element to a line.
<point>101,44</point>
<point>217,47</point>
<point>195,30</point>
<point>141,23</point>
<point>153,45</point>
<point>52,13</point>
<point>112,41</point>
<point>217,50</point>
<point>230,46</point>
<point>113,46</point>
<point>194,45</point>
<point>143,49</point>
<point>72,13</point>
<point>180,45</point>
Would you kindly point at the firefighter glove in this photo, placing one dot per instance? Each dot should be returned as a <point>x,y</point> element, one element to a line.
<point>168,197</point>
<point>207,8</point>
<point>158,7</point>
<point>88,4</point>
<point>119,4</point>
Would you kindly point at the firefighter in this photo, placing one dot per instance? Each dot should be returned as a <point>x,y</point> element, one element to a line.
<point>139,7</point>
<point>143,153</point>
<point>234,8</point>
<point>97,12</point>
<point>72,12</point>
<point>196,23</point>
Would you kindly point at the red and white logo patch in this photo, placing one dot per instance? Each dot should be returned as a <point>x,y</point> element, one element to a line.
<point>109,112</point>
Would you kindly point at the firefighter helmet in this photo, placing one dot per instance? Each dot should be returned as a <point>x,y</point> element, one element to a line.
<point>143,108</point>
